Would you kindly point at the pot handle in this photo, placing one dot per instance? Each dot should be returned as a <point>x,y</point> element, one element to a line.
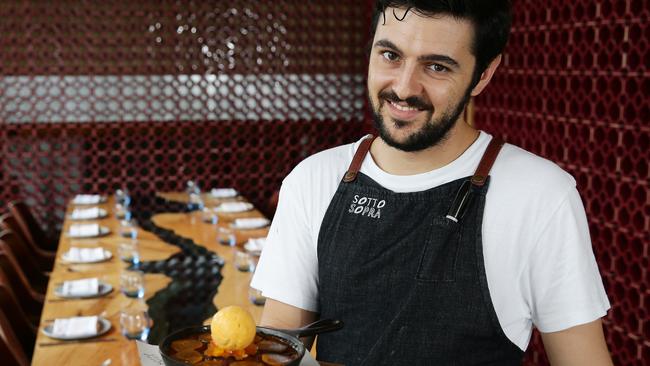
<point>317,327</point>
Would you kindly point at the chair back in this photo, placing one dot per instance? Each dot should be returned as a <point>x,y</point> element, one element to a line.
<point>11,351</point>
<point>32,230</point>
<point>31,302</point>
<point>17,321</point>
<point>43,259</point>
<point>8,222</point>
<point>11,268</point>
<point>10,242</point>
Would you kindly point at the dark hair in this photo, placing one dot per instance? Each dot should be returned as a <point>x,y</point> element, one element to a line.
<point>491,19</point>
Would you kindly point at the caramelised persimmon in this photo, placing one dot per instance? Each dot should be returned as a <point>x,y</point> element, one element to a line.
<point>186,344</point>
<point>265,350</point>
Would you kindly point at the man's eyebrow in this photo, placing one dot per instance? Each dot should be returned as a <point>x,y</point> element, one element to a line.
<point>427,58</point>
<point>440,58</point>
<point>387,44</point>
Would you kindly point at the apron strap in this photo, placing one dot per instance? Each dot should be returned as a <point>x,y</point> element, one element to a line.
<point>478,179</point>
<point>464,195</point>
<point>489,156</point>
<point>355,165</point>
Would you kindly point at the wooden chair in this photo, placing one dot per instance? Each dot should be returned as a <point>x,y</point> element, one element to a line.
<point>34,232</point>
<point>31,303</point>
<point>11,268</point>
<point>11,243</point>
<point>16,321</point>
<point>11,351</point>
<point>44,259</point>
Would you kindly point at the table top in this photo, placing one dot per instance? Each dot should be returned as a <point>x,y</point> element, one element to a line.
<point>233,289</point>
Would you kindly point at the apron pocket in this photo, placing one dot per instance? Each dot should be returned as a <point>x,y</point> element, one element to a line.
<point>440,253</point>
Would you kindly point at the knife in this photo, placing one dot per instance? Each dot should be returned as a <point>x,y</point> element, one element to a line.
<point>76,342</point>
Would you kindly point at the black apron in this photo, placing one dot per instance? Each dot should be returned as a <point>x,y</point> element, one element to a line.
<point>405,273</point>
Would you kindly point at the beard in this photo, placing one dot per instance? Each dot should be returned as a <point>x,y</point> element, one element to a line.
<point>431,134</point>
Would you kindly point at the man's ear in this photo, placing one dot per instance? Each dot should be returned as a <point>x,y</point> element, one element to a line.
<point>486,76</point>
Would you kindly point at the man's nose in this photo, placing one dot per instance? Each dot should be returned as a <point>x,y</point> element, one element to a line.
<point>407,83</point>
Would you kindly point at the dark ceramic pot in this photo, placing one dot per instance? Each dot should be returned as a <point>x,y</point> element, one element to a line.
<point>289,336</point>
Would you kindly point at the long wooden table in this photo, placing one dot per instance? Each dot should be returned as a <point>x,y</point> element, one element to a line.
<point>233,289</point>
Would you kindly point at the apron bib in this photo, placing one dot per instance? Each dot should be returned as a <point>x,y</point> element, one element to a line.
<point>405,273</point>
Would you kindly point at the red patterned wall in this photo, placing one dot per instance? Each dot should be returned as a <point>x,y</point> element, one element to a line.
<point>147,37</point>
<point>574,87</point>
<point>148,95</point>
<point>47,163</point>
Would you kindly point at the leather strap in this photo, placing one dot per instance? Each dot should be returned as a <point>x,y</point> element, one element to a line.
<point>355,165</point>
<point>478,179</point>
<point>480,176</point>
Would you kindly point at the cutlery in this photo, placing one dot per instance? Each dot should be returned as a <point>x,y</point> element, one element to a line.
<point>81,298</point>
<point>48,344</point>
<point>103,314</point>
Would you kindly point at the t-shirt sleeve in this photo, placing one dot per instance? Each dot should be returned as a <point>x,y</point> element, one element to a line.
<point>564,283</point>
<point>288,268</point>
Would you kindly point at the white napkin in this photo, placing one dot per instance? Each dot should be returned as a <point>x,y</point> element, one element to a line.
<point>250,223</point>
<point>80,326</point>
<point>83,287</point>
<point>255,245</point>
<point>87,199</point>
<point>85,254</point>
<point>85,213</point>
<point>234,207</point>
<point>224,192</point>
<point>79,230</point>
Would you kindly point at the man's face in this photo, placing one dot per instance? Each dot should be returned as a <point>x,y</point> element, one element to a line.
<point>419,77</point>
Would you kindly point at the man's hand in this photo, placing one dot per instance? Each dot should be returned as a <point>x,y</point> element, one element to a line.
<point>577,346</point>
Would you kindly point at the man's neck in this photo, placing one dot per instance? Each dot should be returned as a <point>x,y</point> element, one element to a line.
<point>398,162</point>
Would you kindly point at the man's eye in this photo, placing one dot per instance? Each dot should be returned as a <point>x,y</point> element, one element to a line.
<point>438,68</point>
<point>390,56</point>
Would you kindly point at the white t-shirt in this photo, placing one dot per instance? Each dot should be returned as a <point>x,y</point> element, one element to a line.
<point>539,262</point>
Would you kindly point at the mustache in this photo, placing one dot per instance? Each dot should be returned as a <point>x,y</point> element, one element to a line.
<point>412,101</point>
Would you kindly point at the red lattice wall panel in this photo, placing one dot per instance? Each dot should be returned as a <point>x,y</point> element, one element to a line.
<point>181,37</point>
<point>574,87</point>
<point>46,163</point>
<point>149,94</point>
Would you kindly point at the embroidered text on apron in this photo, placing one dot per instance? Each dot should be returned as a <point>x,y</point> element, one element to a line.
<point>405,273</point>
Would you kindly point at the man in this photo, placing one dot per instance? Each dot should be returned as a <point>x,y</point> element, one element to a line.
<point>438,246</point>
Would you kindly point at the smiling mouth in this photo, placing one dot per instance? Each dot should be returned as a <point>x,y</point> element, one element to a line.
<point>403,108</point>
<point>403,112</point>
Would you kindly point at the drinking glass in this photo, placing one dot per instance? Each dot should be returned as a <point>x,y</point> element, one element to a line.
<point>192,187</point>
<point>195,201</point>
<point>255,296</point>
<point>132,283</point>
<point>226,236</point>
<point>209,215</point>
<point>122,197</point>
<point>244,261</point>
<point>129,229</point>
<point>135,323</point>
<point>128,252</point>
<point>122,212</point>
